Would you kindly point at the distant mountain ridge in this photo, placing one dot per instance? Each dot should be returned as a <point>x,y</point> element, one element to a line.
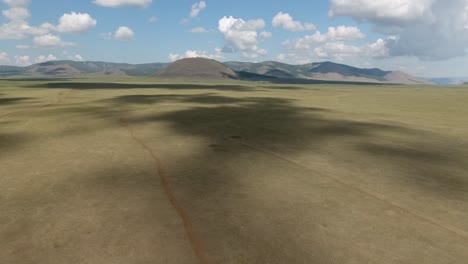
<point>67,68</point>
<point>450,81</point>
<point>326,71</point>
<point>266,71</point>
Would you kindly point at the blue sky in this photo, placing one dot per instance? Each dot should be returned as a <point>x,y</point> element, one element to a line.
<point>423,37</point>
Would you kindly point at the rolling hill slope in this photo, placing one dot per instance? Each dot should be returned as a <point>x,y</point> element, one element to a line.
<point>198,68</point>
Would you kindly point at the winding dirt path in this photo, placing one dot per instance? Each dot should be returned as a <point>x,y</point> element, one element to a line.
<point>359,188</point>
<point>195,241</point>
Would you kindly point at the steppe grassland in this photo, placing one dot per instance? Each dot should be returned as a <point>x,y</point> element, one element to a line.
<point>266,173</point>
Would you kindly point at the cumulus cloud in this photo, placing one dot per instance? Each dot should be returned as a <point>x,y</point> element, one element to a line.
<point>16,13</point>
<point>264,35</point>
<point>123,3</point>
<point>378,49</point>
<point>174,56</point>
<point>344,33</point>
<point>124,34</point>
<point>217,55</point>
<point>426,29</point>
<point>16,25</point>
<point>285,21</point>
<point>43,58</point>
<point>332,45</point>
<point>253,56</point>
<point>4,58</point>
<point>76,57</point>
<point>50,41</point>
<point>75,23</point>
<point>199,30</point>
<point>22,60</point>
<point>240,35</point>
<point>334,34</point>
<point>341,51</point>
<point>197,8</point>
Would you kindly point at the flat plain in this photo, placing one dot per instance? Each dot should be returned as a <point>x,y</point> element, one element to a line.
<point>146,171</point>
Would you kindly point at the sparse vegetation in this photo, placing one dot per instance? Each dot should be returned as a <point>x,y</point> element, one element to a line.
<point>138,170</point>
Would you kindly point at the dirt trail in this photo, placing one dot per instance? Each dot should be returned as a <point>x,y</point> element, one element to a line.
<point>195,241</point>
<point>359,188</point>
<point>61,97</point>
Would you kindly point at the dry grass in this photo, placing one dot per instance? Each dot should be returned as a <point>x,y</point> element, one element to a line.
<point>231,173</point>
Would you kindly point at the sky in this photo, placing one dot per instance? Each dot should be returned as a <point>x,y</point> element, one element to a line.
<point>427,38</point>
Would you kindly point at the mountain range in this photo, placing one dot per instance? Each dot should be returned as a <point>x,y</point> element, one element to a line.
<point>207,68</point>
<point>450,81</point>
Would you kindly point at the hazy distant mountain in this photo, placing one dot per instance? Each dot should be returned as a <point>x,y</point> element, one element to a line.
<point>327,71</point>
<point>79,68</point>
<point>211,69</point>
<point>197,68</point>
<point>449,81</point>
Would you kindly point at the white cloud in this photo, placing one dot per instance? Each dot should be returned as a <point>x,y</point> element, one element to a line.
<point>331,46</point>
<point>124,34</point>
<point>23,47</point>
<point>16,3</point>
<point>253,56</point>
<point>16,13</point>
<point>240,35</point>
<point>75,23</point>
<point>377,49</point>
<point>199,30</point>
<point>285,21</point>
<point>50,41</point>
<point>16,25</point>
<point>42,29</point>
<point>76,57</point>
<point>123,3</point>
<point>334,34</point>
<point>174,56</point>
<point>4,58</point>
<point>153,19</point>
<point>344,33</point>
<point>264,35</point>
<point>340,33</point>
<point>262,52</point>
<point>43,58</point>
<point>217,55</point>
<point>336,50</point>
<point>22,60</point>
<point>382,11</point>
<point>107,35</point>
<point>249,56</point>
<point>197,8</point>
<point>426,29</point>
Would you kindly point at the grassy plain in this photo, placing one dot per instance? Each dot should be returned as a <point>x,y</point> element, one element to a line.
<point>147,171</point>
